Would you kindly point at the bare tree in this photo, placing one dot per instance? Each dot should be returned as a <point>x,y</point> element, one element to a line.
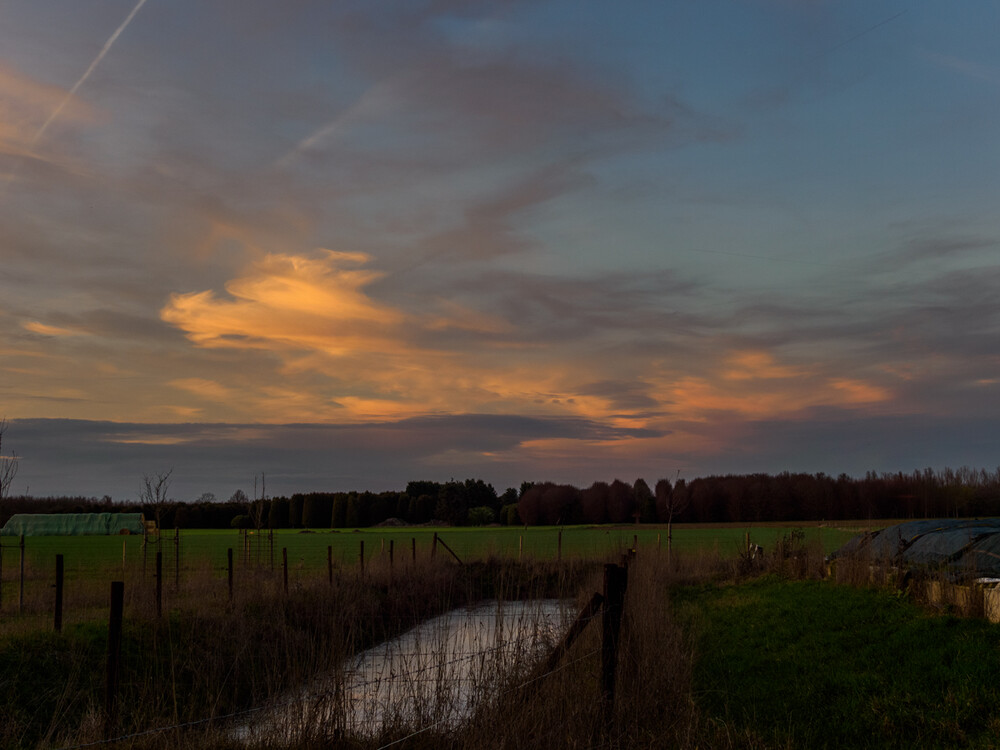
<point>153,494</point>
<point>256,508</point>
<point>8,464</point>
<point>671,500</point>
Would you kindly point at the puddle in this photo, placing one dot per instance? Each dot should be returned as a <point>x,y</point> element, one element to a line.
<point>431,675</point>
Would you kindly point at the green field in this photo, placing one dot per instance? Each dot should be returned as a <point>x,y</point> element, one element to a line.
<point>307,550</point>
<point>813,664</point>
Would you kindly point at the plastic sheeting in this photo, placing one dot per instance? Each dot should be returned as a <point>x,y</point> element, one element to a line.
<point>60,524</point>
<point>967,548</point>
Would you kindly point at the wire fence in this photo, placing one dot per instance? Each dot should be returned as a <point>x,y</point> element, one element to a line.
<point>414,675</point>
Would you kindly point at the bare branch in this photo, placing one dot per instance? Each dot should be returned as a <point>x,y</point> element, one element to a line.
<point>153,493</point>
<point>8,464</point>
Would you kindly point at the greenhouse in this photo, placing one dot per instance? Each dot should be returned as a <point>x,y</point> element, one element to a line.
<point>78,524</point>
<point>966,548</point>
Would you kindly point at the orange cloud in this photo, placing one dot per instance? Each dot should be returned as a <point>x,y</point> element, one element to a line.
<point>289,302</point>
<point>47,330</point>
<point>747,365</point>
<point>314,315</point>
<point>750,389</point>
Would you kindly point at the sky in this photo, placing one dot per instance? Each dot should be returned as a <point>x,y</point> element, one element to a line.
<point>346,245</point>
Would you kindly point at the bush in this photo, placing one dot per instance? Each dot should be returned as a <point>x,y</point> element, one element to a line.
<point>240,522</point>
<point>481,516</point>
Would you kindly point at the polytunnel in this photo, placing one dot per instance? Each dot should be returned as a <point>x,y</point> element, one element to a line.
<point>964,548</point>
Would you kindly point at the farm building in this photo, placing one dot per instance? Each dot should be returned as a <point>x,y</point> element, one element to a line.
<point>964,549</point>
<point>77,524</point>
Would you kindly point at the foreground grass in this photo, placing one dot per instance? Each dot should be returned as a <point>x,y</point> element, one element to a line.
<point>810,664</point>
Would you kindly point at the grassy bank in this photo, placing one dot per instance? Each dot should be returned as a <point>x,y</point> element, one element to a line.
<point>811,664</point>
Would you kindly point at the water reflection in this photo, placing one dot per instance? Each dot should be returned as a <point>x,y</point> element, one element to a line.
<point>433,674</point>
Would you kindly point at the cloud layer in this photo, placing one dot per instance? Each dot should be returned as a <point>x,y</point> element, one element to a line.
<point>517,240</point>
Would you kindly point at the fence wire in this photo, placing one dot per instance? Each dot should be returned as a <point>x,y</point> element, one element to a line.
<point>405,675</point>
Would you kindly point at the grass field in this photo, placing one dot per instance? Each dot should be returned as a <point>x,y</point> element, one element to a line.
<point>88,556</point>
<point>812,664</point>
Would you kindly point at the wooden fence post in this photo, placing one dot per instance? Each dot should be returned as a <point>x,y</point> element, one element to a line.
<point>1,576</point>
<point>615,582</point>
<point>329,565</point>
<point>20,586</point>
<point>159,583</point>
<point>114,656</point>
<point>434,545</point>
<point>413,547</point>
<point>361,556</point>
<point>284,567</point>
<point>177,558</point>
<point>391,545</point>
<point>59,593</point>
<point>229,555</point>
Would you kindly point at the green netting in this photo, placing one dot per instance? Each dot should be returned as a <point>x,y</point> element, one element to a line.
<point>77,524</point>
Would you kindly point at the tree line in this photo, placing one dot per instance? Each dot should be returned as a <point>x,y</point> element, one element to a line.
<point>743,498</point>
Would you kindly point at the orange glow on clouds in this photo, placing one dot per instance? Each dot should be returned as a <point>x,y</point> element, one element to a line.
<point>314,316</point>
<point>47,330</point>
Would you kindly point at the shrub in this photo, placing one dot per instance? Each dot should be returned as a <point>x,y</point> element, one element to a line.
<point>481,516</point>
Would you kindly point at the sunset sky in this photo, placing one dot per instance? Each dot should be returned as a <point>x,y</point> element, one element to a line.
<point>348,244</point>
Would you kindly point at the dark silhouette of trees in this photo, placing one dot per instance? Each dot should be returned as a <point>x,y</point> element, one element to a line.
<point>595,503</point>
<point>749,498</point>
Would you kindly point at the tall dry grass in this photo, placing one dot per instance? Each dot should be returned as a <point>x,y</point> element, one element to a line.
<point>189,677</point>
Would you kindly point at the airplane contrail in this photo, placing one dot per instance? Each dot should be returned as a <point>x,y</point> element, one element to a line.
<point>72,92</point>
<point>87,72</point>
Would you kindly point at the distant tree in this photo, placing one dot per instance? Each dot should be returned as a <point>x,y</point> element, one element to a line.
<point>621,502</point>
<point>670,501</point>
<point>295,511</point>
<point>207,497</point>
<point>339,511</point>
<point>239,497</point>
<point>510,495</point>
<point>595,503</point>
<point>277,513</point>
<point>352,517</point>
<point>509,516</point>
<point>8,464</point>
<point>256,508</point>
<point>153,495</point>
<point>529,507</point>
<point>645,501</point>
<point>481,515</point>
